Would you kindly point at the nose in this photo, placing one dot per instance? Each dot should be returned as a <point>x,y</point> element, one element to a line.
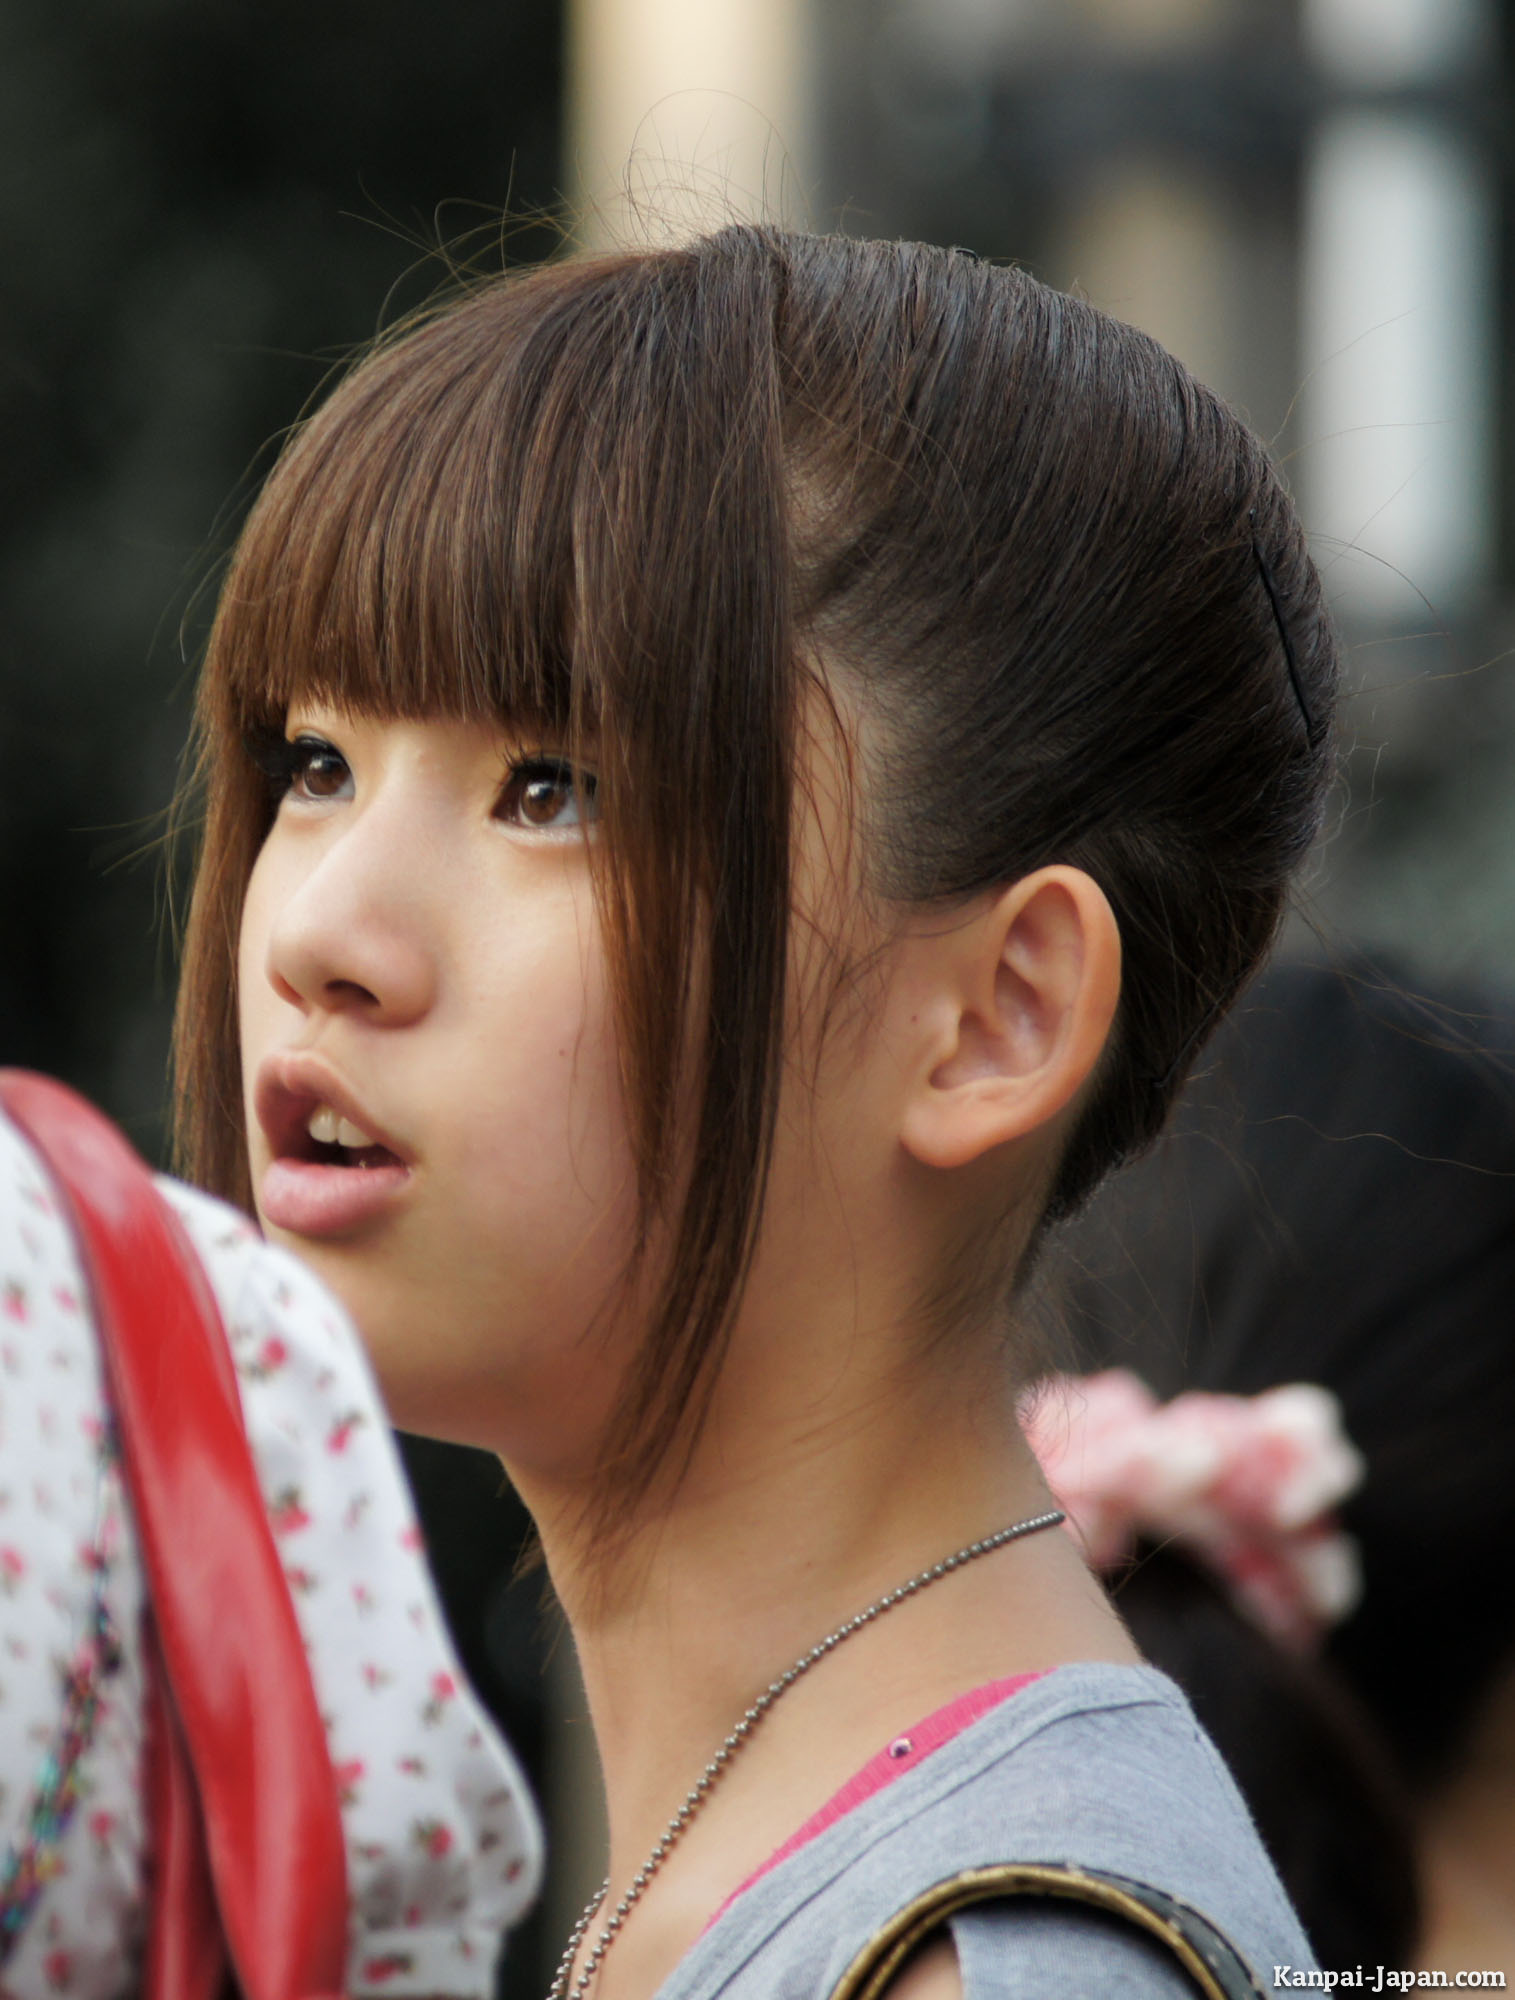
<point>356,934</point>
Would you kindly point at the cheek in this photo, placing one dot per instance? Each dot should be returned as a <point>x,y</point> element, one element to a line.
<point>525,1060</point>
<point>547,1129</point>
<point>527,1221</point>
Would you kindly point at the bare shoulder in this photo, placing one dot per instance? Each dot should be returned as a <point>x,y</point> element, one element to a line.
<point>931,1974</point>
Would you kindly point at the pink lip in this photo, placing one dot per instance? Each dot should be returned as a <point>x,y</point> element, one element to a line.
<point>289,1087</point>
<point>311,1199</point>
<point>306,1194</point>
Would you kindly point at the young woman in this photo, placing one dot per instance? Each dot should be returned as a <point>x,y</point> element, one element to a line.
<point>738,779</point>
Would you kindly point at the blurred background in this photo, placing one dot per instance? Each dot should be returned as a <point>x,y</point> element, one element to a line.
<point>205,204</point>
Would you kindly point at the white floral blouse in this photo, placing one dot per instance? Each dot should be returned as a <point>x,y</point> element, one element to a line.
<point>443,1844</point>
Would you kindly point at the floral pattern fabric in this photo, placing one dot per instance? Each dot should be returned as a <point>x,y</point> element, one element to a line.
<point>443,1845</point>
<point>66,1547</point>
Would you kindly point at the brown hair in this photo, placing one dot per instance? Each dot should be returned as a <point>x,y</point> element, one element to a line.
<point>627,496</point>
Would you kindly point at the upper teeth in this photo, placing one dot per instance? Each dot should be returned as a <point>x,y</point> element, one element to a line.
<point>328,1128</point>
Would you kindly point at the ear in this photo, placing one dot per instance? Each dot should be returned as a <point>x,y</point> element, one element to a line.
<point>1021,1001</point>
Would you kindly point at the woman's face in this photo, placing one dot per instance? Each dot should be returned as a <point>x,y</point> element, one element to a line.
<point>433,1104</point>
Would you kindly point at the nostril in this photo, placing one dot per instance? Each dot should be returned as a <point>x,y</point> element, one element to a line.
<point>344,992</point>
<point>328,957</point>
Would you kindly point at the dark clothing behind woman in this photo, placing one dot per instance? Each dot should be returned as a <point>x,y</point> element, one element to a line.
<point>1335,1203</point>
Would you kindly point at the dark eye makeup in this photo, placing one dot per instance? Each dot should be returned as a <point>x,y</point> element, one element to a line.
<point>547,793</point>
<point>307,760</point>
<point>541,792</point>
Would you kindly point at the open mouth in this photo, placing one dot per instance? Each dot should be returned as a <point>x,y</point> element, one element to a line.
<point>330,1175</point>
<point>310,1119</point>
<point>330,1140</point>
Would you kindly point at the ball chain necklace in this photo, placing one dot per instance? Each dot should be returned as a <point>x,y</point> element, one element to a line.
<point>700,1791</point>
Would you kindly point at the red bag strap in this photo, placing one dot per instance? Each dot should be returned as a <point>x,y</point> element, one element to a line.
<point>186,1948</point>
<point>231,1647</point>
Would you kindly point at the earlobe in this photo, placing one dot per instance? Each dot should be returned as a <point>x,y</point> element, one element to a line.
<point>1026,995</point>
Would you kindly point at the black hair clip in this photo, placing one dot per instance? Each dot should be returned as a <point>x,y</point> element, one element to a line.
<point>1291,661</point>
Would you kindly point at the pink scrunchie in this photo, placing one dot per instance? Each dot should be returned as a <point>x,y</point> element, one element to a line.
<point>1246,1483</point>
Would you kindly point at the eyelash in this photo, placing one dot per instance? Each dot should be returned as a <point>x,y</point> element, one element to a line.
<point>578,785</point>
<point>283,760</point>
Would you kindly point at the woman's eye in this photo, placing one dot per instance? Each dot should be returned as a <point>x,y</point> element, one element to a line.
<point>317,771</point>
<point>305,767</point>
<point>547,793</point>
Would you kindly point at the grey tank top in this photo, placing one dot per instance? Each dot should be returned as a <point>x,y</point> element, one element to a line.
<point>1102,1766</point>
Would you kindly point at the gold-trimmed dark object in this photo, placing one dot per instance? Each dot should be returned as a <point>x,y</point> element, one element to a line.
<point>1214,1965</point>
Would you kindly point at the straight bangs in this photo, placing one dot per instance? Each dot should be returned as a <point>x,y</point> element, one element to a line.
<point>558,505</point>
<point>413,553</point>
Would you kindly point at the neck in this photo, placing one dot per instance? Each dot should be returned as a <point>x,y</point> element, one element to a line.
<point>795,1514</point>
